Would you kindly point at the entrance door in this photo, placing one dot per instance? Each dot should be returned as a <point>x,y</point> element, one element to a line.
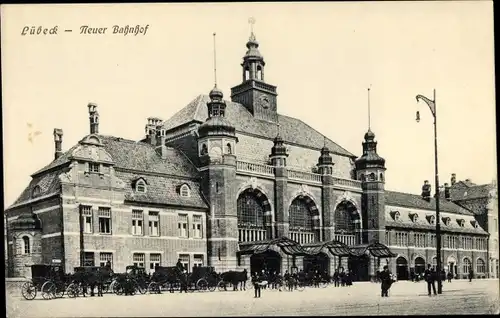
<point>267,261</point>
<point>419,266</point>
<point>401,268</point>
<point>359,266</point>
<point>319,262</point>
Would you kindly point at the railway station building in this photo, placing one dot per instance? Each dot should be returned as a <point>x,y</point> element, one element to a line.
<point>231,183</point>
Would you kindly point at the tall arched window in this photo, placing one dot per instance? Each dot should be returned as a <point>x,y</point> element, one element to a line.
<point>480,266</point>
<point>26,245</point>
<point>434,261</point>
<point>300,215</point>
<point>250,211</point>
<point>467,266</point>
<point>343,219</point>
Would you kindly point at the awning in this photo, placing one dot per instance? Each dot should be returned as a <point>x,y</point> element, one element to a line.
<point>375,249</point>
<point>335,247</point>
<point>284,244</point>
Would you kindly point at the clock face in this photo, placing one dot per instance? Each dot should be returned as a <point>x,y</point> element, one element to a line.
<point>264,101</point>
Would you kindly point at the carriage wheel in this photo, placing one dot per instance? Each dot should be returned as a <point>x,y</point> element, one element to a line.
<point>202,284</point>
<point>212,286</point>
<point>222,286</point>
<point>72,290</point>
<point>59,292</point>
<point>112,286</point>
<point>154,288</point>
<point>48,290</point>
<point>28,290</point>
<point>140,289</point>
<point>118,288</point>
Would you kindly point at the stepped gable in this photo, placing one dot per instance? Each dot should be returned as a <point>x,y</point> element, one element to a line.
<point>244,121</point>
<point>415,201</point>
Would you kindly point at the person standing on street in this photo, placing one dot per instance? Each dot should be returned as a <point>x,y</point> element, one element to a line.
<point>256,284</point>
<point>471,274</point>
<point>430,278</point>
<point>386,281</point>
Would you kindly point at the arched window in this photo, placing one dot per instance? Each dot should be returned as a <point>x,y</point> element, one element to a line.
<point>363,178</point>
<point>381,177</point>
<point>140,186</point>
<point>26,245</point>
<point>185,191</point>
<point>343,218</point>
<point>250,210</point>
<point>432,220</point>
<point>300,215</point>
<point>204,149</point>
<point>229,148</point>
<point>467,265</point>
<point>480,266</point>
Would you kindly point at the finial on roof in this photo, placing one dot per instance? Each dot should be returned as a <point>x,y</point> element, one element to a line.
<point>369,124</point>
<point>215,93</point>
<point>215,62</point>
<point>324,141</point>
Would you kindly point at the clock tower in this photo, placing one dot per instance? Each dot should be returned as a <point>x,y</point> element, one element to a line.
<point>255,94</point>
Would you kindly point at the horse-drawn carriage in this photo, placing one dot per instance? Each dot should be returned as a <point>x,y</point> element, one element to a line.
<point>49,280</point>
<point>234,278</point>
<point>89,277</point>
<point>204,278</point>
<point>135,275</point>
<point>165,278</point>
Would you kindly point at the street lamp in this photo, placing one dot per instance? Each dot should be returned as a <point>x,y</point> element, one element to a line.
<point>432,107</point>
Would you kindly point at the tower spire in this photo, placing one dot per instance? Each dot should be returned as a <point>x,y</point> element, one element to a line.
<point>251,21</point>
<point>215,62</point>
<point>369,119</point>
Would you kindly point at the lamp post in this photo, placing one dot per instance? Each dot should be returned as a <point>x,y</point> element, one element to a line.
<point>432,107</point>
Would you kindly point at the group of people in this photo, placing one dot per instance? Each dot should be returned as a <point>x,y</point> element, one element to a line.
<point>342,277</point>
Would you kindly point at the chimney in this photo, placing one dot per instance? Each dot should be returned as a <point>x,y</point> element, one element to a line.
<point>152,132</point>
<point>447,191</point>
<point>58,134</point>
<point>94,118</point>
<point>162,137</point>
<point>453,178</point>
<point>426,191</point>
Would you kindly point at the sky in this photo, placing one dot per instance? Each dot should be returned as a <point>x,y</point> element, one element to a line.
<point>321,56</point>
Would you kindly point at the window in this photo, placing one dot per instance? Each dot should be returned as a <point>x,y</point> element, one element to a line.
<point>36,191</point>
<point>419,239</point>
<point>138,259</point>
<point>401,239</point>
<point>396,216</point>
<point>198,260</point>
<point>154,261</point>
<point>414,218</point>
<point>185,191</point>
<point>301,219</point>
<point>104,220</point>
<point>26,245</point>
<point>94,167</point>
<point>204,149</point>
<point>154,224</point>
<point>467,265</point>
<point>182,225</point>
<point>87,218</point>
<point>140,186</point>
<point>387,238</point>
<point>229,149</point>
<point>104,258</point>
<point>88,259</point>
<point>185,260</point>
<point>197,229</point>
<point>432,220</point>
<point>480,266</point>
<point>250,210</point>
<point>137,222</point>
<point>433,240</point>
<point>434,261</point>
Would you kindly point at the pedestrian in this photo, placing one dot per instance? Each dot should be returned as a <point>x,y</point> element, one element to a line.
<point>342,277</point>
<point>184,282</point>
<point>471,275</point>
<point>430,278</point>
<point>256,284</point>
<point>450,276</point>
<point>386,281</point>
<point>336,278</point>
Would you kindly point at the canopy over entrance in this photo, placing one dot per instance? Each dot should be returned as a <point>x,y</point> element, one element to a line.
<point>284,244</point>
<point>335,247</point>
<point>375,249</point>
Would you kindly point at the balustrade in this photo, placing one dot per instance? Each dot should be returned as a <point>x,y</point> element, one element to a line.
<point>348,239</point>
<point>302,175</point>
<point>251,235</point>
<point>254,167</point>
<point>302,237</point>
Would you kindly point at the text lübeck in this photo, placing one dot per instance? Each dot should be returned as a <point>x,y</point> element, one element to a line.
<point>39,30</point>
<point>115,29</point>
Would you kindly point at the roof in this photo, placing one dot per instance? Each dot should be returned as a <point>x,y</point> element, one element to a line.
<point>48,183</point>
<point>469,191</point>
<point>137,155</point>
<point>286,245</point>
<point>244,121</point>
<point>408,200</point>
<point>162,190</point>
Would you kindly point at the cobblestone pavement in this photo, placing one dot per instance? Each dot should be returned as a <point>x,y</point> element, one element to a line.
<point>459,297</point>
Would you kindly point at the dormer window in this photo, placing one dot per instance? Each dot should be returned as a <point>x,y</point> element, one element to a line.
<point>396,215</point>
<point>185,191</point>
<point>140,186</point>
<point>474,224</point>
<point>432,219</point>
<point>414,217</point>
<point>446,221</point>
<point>36,191</point>
<point>461,222</point>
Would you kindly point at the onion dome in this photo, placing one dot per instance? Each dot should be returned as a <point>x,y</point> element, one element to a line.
<point>325,158</point>
<point>370,158</point>
<point>279,148</point>
<point>369,136</point>
<point>216,94</point>
<point>253,48</point>
<point>26,222</point>
<point>216,125</point>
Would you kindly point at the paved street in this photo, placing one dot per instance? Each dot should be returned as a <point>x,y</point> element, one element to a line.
<point>459,297</point>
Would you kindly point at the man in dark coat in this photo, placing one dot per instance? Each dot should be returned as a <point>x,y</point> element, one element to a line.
<point>430,278</point>
<point>256,284</point>
<point>179,266</point>
<point>386,281</point>
<point>336,278</point>
<point>471,275</point>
